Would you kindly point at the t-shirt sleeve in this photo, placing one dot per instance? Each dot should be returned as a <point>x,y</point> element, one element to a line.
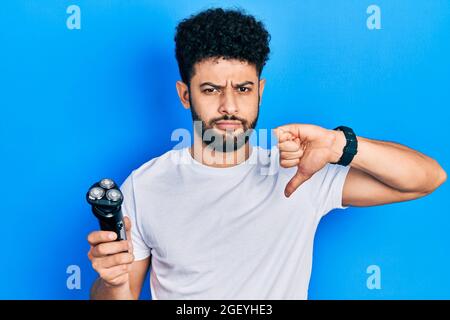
<point>328,184</point>
<point>140,248</point>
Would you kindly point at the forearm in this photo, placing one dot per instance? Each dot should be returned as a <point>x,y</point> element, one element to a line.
<point>101,291</point>
<point>393,164</point>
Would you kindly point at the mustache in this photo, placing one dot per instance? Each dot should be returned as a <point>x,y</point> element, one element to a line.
<point>228,118</point>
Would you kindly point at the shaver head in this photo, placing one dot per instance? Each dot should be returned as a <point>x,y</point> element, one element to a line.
<point>105,197</point>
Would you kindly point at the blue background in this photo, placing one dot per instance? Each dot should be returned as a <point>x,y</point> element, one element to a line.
<point>78,105</point>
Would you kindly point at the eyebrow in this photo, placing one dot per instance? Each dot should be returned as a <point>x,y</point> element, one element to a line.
<point>220,87</point>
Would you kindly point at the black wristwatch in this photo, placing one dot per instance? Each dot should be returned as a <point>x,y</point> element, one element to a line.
<point>351,147</point>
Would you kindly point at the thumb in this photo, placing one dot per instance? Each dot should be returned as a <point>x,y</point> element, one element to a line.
<point>127,222</point>
<point>295,182</point>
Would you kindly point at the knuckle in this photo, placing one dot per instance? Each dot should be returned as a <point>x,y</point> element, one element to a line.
<point>287,163</point>
<point>103,274</point>
<point>127,258</point>
<point>95,265</point>
<point>90,237</point>
<point>291,156</point>
<point>118,259</point>
<point>103,249</point>
<point>116,281</point>
<point>100,250</point>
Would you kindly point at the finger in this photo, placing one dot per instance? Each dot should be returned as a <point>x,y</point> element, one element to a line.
<point>295,182</point>
<point>289,146</point>
<point>130,245</point>
<point>97,237</point>
<point>115,260</point>
<point>104,249</point>
<point>292,129</point>
<point>128,228</point>
<point>109,274</point>
<point>124,278</point>
<point>291,155</point>
<point>282,135</point>
<point>304,131</point>
<point>90,252</point>
<point>289,163</point>
<point>296,129</point>
<point>127,223</point>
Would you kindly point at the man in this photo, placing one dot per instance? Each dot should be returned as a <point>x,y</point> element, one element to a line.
<point>224,225</point>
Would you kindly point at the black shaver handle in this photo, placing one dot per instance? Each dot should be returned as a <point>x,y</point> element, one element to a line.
<point>115,224</point>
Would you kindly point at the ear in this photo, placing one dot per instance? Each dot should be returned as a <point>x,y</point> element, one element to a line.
<point>183,93</point>
<point>262,84</point>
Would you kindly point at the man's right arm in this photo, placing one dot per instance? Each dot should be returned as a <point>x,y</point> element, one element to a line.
<point>121,278</point>
<point>130,290</point>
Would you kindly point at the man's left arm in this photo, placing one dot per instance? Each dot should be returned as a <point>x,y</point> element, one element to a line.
<point>380,172</point>
<point>385,172</point>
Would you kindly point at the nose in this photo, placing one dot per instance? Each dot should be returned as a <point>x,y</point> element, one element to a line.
<point>228,104</point>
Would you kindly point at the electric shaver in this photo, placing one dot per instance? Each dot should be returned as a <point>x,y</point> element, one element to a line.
<point>106,200</point>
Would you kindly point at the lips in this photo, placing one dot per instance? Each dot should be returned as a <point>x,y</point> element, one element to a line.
<point>228,125</point>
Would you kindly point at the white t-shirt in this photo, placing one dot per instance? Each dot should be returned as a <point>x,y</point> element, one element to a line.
<point>227,233</point>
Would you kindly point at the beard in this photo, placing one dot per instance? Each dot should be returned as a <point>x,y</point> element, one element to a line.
<point>223,142</point>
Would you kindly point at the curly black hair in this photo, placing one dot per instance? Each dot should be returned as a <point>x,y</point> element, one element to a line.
<point>217,32</point>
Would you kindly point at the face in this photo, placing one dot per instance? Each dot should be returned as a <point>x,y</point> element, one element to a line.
<point>224,97</point>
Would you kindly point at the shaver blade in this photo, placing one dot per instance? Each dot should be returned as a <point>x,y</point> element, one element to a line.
<point>113,195</point>
<point>96,193</point>
<point>107,183</point>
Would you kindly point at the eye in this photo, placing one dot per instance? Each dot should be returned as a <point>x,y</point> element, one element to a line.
<point>210,90</point>
<point>244,89</point>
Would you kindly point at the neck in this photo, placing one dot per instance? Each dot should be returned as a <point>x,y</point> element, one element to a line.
<point>213,158</point>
